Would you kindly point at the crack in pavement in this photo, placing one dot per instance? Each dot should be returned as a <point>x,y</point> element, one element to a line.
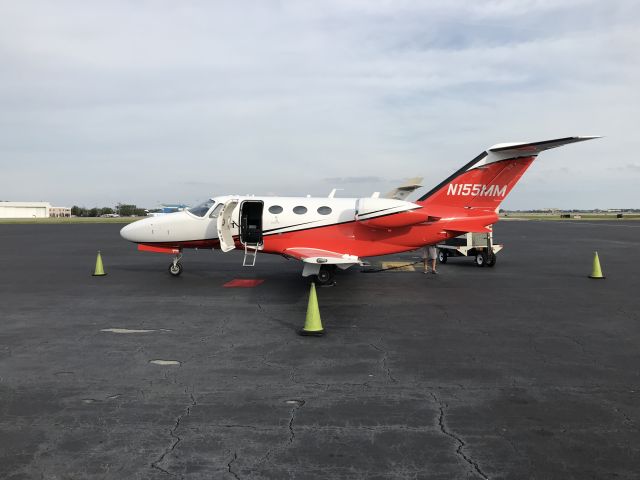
<point>172,433</point>
<point>296,405</point>
<point>582,347</point>
<point>235,457</point>
<point>446,315</point>
<point>270,317</point>
<point>443,428</point>
<point>384,362</point>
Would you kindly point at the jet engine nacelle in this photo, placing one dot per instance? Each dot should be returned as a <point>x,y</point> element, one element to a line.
<point>388,213</point>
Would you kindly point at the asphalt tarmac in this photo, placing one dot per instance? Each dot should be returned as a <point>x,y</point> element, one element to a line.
<point>525,370</point>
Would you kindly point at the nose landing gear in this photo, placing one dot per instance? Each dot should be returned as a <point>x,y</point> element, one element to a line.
<point>175,267</point>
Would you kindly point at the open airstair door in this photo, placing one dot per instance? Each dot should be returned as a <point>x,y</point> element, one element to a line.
<point>226,226</point>
<point>251,230</point>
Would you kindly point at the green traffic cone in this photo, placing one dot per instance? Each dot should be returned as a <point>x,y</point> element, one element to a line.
<point>596,273</point>
<point>99,271</point>
<point>313,323</point>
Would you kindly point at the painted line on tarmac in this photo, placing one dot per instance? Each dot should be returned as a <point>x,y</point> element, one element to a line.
<point>165,362</point>
<point>132,330</point>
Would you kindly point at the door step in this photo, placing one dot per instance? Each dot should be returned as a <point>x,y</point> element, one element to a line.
<point>250,254</point>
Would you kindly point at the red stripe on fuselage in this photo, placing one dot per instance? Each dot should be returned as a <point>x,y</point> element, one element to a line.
<point>143,247</point>
<point>356,238</point>
<point>205,243</point>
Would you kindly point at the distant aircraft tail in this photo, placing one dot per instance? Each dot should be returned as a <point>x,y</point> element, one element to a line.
<point>485,181</point>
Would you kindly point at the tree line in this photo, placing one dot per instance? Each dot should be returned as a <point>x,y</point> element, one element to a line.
<point>122,209</point>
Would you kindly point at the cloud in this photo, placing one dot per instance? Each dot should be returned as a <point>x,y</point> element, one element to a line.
<point>272,96</point>
<point>630,167</point>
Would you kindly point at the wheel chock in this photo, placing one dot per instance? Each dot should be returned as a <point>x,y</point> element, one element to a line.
<point>313,323</point>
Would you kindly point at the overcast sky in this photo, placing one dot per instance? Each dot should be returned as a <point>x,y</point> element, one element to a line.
<point>174,101</point>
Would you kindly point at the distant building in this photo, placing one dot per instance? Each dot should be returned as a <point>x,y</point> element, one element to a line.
<point>59,211</point>
<point>24,209</point>
<point>165,208</point>
<point>32,210</point>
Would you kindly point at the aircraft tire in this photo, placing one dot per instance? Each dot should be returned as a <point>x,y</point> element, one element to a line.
<point>325,275</point>
<point>176,269</point>
<point>491,261</point>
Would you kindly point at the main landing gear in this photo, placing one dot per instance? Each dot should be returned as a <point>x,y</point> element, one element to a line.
<point>175,268</point>
<point>325,275</point>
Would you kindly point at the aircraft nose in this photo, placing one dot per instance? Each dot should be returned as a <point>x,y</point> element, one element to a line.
<point>132,231</point>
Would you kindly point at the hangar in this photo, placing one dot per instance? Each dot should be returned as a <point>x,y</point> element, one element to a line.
<point>24,209</point>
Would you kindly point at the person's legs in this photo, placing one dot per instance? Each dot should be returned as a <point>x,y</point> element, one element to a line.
<point>431,257</point>
<point>425,259</point>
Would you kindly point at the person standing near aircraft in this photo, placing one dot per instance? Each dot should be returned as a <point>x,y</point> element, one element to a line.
<point>429,256</point>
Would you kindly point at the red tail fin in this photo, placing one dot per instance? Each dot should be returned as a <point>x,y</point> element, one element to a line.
<point>484,182</point>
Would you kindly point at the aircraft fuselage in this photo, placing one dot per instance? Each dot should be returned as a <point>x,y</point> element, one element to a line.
<point>338,224</point>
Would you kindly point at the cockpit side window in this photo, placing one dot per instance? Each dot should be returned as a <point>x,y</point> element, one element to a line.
<point>202,209</point>
<point>216,211</point>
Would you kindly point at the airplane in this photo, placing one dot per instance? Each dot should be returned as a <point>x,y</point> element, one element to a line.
<point>329,233</point>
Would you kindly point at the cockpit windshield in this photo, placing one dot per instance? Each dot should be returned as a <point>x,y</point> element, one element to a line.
<point>202,209</point>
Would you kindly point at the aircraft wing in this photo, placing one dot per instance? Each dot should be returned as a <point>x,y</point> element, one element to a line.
<point>321,257</point>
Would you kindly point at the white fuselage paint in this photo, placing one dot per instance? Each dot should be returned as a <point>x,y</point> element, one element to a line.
<point>320,211</point>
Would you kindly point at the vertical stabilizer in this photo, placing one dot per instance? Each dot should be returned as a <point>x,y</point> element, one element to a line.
<point>486,180</point>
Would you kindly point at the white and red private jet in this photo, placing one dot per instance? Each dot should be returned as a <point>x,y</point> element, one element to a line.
<point>327,233</point>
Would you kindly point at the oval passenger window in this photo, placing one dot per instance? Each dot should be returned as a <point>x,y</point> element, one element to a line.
<point>275,209</point>
<point>300,210</point>
<point>324,210</point>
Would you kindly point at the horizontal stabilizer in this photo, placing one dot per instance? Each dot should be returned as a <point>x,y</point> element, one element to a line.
<point>401,192</point>
<point>509,150</point>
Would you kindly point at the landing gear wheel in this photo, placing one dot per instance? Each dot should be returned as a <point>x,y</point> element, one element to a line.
<point>491,261</point>
<point>325,275</point>
<point>175,269</point>
<point>442,256</point>
<point>481,260</point>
